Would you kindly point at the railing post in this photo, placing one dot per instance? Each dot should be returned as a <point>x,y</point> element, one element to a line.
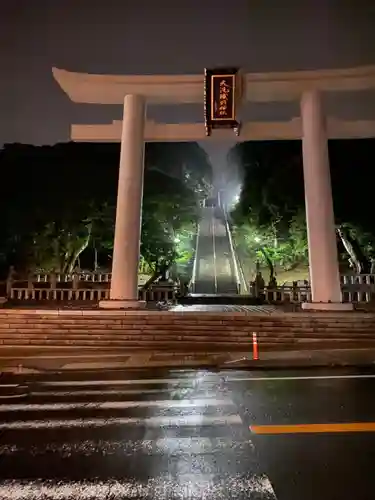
<point>10,281</point>
<point>75,281</point>
<point>30,282</point>
<point>53,280</point>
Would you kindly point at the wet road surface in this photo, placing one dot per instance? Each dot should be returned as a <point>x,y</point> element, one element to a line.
<point>188,434</point>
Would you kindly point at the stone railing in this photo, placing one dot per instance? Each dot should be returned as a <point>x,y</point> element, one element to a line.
<point>358,287</point>
<point>357,279</point>
<point>67,278</point>
<point>95,286</point>
<point>157,293</point>
<point>79,287</point>
<point>61,294</point>
<point>287,294</point>
<point>354,288</point>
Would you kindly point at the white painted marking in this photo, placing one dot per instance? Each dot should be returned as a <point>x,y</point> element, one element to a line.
<point>98,392</point>
<point>117,405</point>
<point>189,381</point>
<point>14,396</point>
<point>183,392</point>
<point>170,446</point>
<point>103,355</point>
<point>308,377</point>
<point>165,381</point>
<point>193,486</point>
<point>158,421</point>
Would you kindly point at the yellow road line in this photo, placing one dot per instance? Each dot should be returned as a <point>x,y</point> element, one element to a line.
<point>313,428</point>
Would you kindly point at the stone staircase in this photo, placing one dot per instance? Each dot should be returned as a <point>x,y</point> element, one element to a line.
<point>183,332</point>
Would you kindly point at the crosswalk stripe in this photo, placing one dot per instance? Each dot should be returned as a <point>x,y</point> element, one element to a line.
<point>155,421</point>
<point>165,381</point>
<point>303,377</point>
<point>13,396</point>
<point>116,405</point>
<point>185,486</point>
<point>98,392</point>
<point>167,445</point>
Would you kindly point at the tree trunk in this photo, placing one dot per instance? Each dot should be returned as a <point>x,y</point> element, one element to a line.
<point>159,272</point>
<point>155,275</point>
<point>96,265</point>
<point>275,238</point>
<point>269,263</point>
<point>70,264</point>
<point>350,248</point>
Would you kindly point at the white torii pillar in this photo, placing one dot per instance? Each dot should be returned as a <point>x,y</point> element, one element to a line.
<point>321,233</point>
<point>125,263</point>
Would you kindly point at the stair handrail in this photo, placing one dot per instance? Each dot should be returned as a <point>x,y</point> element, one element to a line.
<point>234,256</point>
<point>195,265</point>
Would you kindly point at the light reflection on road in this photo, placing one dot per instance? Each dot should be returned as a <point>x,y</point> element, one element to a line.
<point>186,441</point>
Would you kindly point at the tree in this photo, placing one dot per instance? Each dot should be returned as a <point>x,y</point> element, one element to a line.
<point>166,214</point>
<point>351,171</point>
<point>268,204</point>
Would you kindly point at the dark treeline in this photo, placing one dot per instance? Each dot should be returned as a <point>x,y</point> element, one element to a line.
<point>271,211</point>
<point>58,204</point>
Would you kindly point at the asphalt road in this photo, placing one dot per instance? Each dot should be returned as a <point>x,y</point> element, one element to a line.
<point>304,435</point>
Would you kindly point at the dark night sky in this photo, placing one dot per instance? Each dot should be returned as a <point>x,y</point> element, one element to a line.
<point>165,36</point>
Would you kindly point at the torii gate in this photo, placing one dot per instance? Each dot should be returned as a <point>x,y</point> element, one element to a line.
<point>135,91</point>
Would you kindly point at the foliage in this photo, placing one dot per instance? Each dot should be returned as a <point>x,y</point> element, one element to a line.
<point>269,218</point>
<point>166,213</point>
<point>59,205</point>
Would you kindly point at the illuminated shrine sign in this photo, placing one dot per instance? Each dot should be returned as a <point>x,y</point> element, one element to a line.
<point>220,99</point>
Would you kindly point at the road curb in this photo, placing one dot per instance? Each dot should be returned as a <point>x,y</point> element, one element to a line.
<point>256,366</point>
<point>297,365</point>
<point>30,370</point>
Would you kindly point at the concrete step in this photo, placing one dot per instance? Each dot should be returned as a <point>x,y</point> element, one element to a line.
<point>105,315</point>
<point>197,324</point>
<point>193,319</point>
<point>179,346</point>
<point>40,325</point>
<point>167,330</point>
<point>184,347</point>
<point>193,324</point>
<point>172,336</point>
<point>234,335</point>
<point>142,343</point>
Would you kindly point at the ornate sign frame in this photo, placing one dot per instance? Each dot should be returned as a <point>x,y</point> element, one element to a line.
<point>220,99</point>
